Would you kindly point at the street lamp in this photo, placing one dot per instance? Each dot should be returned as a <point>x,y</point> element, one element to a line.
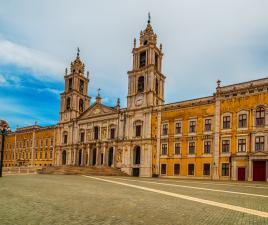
<point>4,129</point>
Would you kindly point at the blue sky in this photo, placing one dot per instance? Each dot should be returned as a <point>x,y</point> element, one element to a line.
<point>202,41</point>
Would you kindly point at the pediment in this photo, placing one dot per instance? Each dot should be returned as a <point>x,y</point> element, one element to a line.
<point>260,154</point>
<point>97,110</point>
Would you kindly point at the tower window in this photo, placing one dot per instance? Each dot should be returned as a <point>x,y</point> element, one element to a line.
<point>145,42</point>
<point>81,105</point>
<point>70,84</point>
<point>156,61</point>
<point>141,84</point>
<point>81,86</point>
<point>68,104</point>
<point>156,87</point>
<point>142,59</point>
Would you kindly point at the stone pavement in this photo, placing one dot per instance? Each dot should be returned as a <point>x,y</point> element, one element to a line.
<point>62,199</point>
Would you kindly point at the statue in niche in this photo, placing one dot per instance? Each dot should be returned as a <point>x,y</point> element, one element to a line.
<point>103,132</point>
<point>119,156</point>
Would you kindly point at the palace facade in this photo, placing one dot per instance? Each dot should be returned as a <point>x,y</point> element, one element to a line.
<point>223,136</point>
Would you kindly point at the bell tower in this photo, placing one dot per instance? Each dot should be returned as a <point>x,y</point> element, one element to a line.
<point>145,80</point>
<point>74,100</point>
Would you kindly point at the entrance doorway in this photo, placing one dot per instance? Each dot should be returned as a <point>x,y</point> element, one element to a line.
<point>94,157</point>
<point>64,157</point>
<point>259,170</point>
<point>137,155</point>
<point>110,156</point>
<point>136,172</point>
<point>80,158</point>
<point>241,173</point>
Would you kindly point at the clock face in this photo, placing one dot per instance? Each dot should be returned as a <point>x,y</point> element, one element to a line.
<point>139,100</point>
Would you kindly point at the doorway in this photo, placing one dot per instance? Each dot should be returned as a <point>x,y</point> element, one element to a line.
<point>80,158</point>
<point>136,172</point>
<point>94,157</point>
<point>241,173</point>
<point>110,156</point>
<point>64,157</point>
<point>259,170</point>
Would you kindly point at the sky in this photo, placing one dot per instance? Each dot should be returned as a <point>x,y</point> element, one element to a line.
<point>202,41</point>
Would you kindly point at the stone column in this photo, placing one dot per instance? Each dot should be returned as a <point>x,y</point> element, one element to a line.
<point>98,154</point>
<point>234,177</point>
<point>88,155</point>
<point>74,162</point>
<point>105,163</point>
<point>82,157</point>
<point>158,144</point>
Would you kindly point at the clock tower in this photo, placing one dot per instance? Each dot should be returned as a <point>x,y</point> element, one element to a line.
<point>74,99</point>
<point>145,80</point>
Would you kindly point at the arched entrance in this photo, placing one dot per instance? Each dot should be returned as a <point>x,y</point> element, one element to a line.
<point>63,158</point>
<point>136,161</point>
<point>80,158</point>
<point>110,156</point>
<point>94,157</point>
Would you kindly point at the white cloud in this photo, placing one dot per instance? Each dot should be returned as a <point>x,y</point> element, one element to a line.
<point>42,66</point>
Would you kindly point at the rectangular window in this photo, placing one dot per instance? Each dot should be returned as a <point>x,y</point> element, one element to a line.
<point>51,141</point>
<point>226,122</point>
<point>191,169</point>
<point>164,149</point>
<point>176,169</point>
<point>191,148</point>
<point>112,133</point>
<point>178,128</point>
<point>242,145</point>
<point>70,84</point>
<point>242,120</point>
<point>41,143</point>
<point>138,130</point>
<point>225,169</point>
<point>259,143</point>
<point>65,138</point>
<point>50,155</point>
<point>260,116</point>
<point>163,169</point>
<point>82,137</point>
<point>81,86</point>
<point>165,130</point>
<point>206,169</point>
<point>46,142</point>
<point>225,146</point>
<point>192,127</point>
<point>96,133</point>
<point>177,148</point>
<point>142,59</point>
<point>208,125</point>
<point>207,146</point>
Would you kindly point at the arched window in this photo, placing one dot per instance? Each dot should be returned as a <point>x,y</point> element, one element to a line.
<point>81,105</point>
<point>68,103</point>
<point>145,42</point>
<point>141,84</point>
<point>260,116</point>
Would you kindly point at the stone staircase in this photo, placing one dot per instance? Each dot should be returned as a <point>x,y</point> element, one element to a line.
<point>76,170</point>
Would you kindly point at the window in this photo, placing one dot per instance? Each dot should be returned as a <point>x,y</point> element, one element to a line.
<point>259,143</point>
<point>207,146</point>
<point>156,87</point>
<point>190,169</point>
<point>163,169</point>
<point>81,86</point>
<point>82,137</point>
<point>206,169</point>
<point>96,133</point>
<point>260,116</point>
<point>177,148</point>
<point>242,145</point>
<point>225,146</point>
<point>191,148</point>
<point>68,103</point>
<point>112,133</point>
<point>51,141</point>
<point>225,169</point>
<point>165,129</point>
<point>242,120</point>
<point>41,143</point>
<point>46,142</point>
<point>176,169</point>
<point>70,84</point>
<point>226,122</point>
<point>138,130</point>
<point>142,59</point>
<point>178,128</point>
<point>164,149</point>
<point>192,126</point>
<point>65,137</point>
<point>81,105</point>
<point>141,84</point>
<point>207,124</point>
<point>50,155</point>
<point>156,61</point>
